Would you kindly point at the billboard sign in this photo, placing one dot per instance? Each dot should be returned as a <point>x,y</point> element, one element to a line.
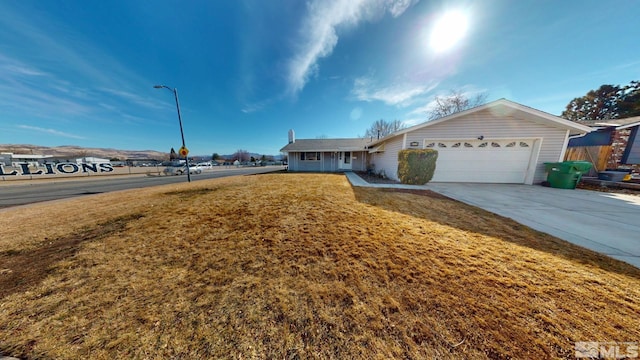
<point>60,168</point>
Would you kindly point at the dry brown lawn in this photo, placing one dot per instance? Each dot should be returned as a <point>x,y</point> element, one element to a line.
<point>290,266</point>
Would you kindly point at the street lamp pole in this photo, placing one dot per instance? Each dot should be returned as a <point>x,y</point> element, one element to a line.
<point>175,94</point>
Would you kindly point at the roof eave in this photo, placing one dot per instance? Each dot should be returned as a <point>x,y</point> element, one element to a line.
<point>622,127</point>
<point>324,150</point>
<point>577,128</point>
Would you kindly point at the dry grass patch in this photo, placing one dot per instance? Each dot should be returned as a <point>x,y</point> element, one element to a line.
<point>303,266</point>
<point>23,268</point>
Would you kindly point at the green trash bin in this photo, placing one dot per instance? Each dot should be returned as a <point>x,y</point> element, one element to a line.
<point>579,166</point>
<point>566,174</point>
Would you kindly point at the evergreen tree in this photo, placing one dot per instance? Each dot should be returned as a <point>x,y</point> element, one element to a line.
<point>600,104</point>
<point>607,102</point>
<point>629,105</point>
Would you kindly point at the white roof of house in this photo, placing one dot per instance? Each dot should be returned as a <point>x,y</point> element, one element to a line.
<point>504,107</point>
<point>617,123</point>
<point>299,145</point>
<point>29,156</point>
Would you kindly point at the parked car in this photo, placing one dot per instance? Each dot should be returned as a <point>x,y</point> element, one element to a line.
<point>195,170</point>
<point>173,170</point>
<point>182,169</point>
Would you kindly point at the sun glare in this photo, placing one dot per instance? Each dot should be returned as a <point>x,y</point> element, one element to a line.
<point>448,30</point>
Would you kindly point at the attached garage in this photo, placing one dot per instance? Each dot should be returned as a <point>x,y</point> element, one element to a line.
<point>494,161</point>
<point>500,142</point>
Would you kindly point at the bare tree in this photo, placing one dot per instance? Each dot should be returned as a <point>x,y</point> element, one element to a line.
<point>80,154</point>
<point>455,102</point>
<point>381,128</point>
<point>241,155</point>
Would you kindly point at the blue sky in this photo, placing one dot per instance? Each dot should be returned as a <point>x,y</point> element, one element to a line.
<point>82,72</point>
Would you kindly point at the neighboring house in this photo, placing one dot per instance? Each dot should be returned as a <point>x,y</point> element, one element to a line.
<point>613,144</point>
<point>499,142</point>
<point>5,159</point>
<point>326,155</point>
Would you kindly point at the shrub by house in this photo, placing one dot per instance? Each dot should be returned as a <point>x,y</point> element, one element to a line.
<point>416,166</point>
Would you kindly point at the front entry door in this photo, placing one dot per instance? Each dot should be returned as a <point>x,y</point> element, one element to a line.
<point>345,160</point>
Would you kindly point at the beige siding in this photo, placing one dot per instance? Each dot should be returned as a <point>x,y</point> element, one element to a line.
<point>482,123</point>
<point>388,160</point>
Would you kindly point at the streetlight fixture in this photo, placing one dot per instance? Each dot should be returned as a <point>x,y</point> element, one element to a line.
<point>175,94</point>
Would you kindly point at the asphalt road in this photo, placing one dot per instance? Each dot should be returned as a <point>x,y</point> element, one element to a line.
<point>28,192</point>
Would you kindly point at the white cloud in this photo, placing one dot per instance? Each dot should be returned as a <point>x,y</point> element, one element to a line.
<point>15,68</point>
<point>23,96</point>
<point>424,109</point>
<point>152,103</point>
<point>319,35</point>
<point>403,94</point>
<point>249,109</point>
<point>50,131</point>
<point>66,51</point>
<point>413,121</point>
<point>396,8</point>
<point>257,106</point>
<point>62,80</point>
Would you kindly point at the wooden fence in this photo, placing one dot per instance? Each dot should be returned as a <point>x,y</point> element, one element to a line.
<point>597,155</point>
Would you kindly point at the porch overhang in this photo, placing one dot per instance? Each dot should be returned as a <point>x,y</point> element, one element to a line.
<point>379,148</point>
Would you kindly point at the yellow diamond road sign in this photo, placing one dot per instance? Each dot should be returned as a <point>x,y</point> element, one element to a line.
<point>183,151</point>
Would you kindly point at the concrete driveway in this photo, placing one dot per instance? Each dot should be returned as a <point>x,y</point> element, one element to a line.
<point>604,222</point>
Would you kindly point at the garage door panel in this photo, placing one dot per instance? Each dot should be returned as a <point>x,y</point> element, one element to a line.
<point>492,164</point>
<point>498,155</point>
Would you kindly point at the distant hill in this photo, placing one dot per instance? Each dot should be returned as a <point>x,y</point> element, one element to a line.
<point>77,151</point>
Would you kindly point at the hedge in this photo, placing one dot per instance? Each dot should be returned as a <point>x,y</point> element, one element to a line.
<point>416,166</point>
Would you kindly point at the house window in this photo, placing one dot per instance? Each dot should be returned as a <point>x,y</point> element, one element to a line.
<point>310,156</point>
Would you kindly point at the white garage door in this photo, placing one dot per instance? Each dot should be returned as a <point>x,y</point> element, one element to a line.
<point>482,161</point>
